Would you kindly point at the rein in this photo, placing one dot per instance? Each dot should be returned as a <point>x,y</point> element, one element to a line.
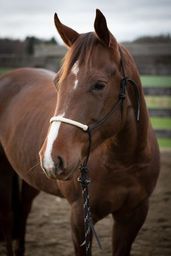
<point>84,178</point>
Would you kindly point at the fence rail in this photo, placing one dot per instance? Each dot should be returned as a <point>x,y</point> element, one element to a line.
<point>163,133</point>
<point>157,91</point>
<point>159,112</point>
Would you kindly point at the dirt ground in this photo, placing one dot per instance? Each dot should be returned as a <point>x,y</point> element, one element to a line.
<point>48,230</point>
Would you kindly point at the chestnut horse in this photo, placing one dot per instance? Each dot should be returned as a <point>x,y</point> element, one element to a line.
<point>124,157</point>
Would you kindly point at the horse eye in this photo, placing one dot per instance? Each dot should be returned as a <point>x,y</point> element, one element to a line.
<point>98,87</point>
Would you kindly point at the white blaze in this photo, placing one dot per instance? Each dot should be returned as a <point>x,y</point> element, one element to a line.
<point>75,70</point>
<point>75,83</point>
<point>52,136</point>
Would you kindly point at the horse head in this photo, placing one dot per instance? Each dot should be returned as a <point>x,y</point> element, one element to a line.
<point>88,87</point>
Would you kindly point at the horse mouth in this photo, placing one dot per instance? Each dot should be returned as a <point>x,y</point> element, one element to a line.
<point>70,174</point>
<point>65,174</point>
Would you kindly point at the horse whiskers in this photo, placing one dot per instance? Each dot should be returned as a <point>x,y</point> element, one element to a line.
<point>32,168</point>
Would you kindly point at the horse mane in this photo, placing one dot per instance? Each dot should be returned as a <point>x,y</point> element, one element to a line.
<point>81,49</point>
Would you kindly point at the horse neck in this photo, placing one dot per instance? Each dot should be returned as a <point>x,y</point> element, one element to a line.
<point>132,141</point>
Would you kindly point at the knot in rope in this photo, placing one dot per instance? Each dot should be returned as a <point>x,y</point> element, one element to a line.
<point>84,179</point>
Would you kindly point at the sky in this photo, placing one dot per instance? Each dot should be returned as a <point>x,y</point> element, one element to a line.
<point>126,19</point>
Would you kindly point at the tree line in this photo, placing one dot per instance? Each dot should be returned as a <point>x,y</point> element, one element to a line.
<point>26,47</point>
<point>22,47</point>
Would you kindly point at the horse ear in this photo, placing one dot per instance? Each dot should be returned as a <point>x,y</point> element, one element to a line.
<point>68,35</point>
<point>101,29</point>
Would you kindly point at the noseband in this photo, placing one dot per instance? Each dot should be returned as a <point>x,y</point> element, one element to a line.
<point>84,179</point>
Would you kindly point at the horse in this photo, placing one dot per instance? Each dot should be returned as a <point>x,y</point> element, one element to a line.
<point>97,94</point>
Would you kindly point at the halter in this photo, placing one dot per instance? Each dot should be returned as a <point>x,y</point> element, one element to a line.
<point>84,127</point>
<point>84,179</point>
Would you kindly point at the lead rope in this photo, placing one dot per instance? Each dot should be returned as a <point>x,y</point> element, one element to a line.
<point>88,223</point>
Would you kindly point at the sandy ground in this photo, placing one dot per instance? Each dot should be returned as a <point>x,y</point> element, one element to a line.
<point>48,230</point>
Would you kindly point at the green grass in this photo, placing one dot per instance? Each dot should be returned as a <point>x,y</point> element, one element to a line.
<point>156,80</point>
<point>161,123</point>
<point>164,142</point>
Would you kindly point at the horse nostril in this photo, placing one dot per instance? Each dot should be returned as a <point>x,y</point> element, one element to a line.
<point>59,165</point>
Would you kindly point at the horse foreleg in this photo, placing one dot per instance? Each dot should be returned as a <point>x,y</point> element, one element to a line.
<point>126,228</point>
<point>77,227</point>
<point>6,213</point>
<point>6,224</point>
<point>28,193</point>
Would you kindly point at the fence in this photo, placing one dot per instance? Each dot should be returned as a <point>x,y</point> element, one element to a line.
<point>159,112</point>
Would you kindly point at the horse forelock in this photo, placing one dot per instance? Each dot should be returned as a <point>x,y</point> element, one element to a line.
<point>81,51</point>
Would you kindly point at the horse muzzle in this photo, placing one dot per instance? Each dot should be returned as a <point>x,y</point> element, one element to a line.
<point>57,170</point>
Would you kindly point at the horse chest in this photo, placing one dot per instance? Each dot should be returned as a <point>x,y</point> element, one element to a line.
<point>113,189</point>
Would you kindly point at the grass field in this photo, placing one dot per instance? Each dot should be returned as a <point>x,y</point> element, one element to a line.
<point>152,102</point>
<point>164,143</point>
<point>156,80</point>
<point>161,123</point>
